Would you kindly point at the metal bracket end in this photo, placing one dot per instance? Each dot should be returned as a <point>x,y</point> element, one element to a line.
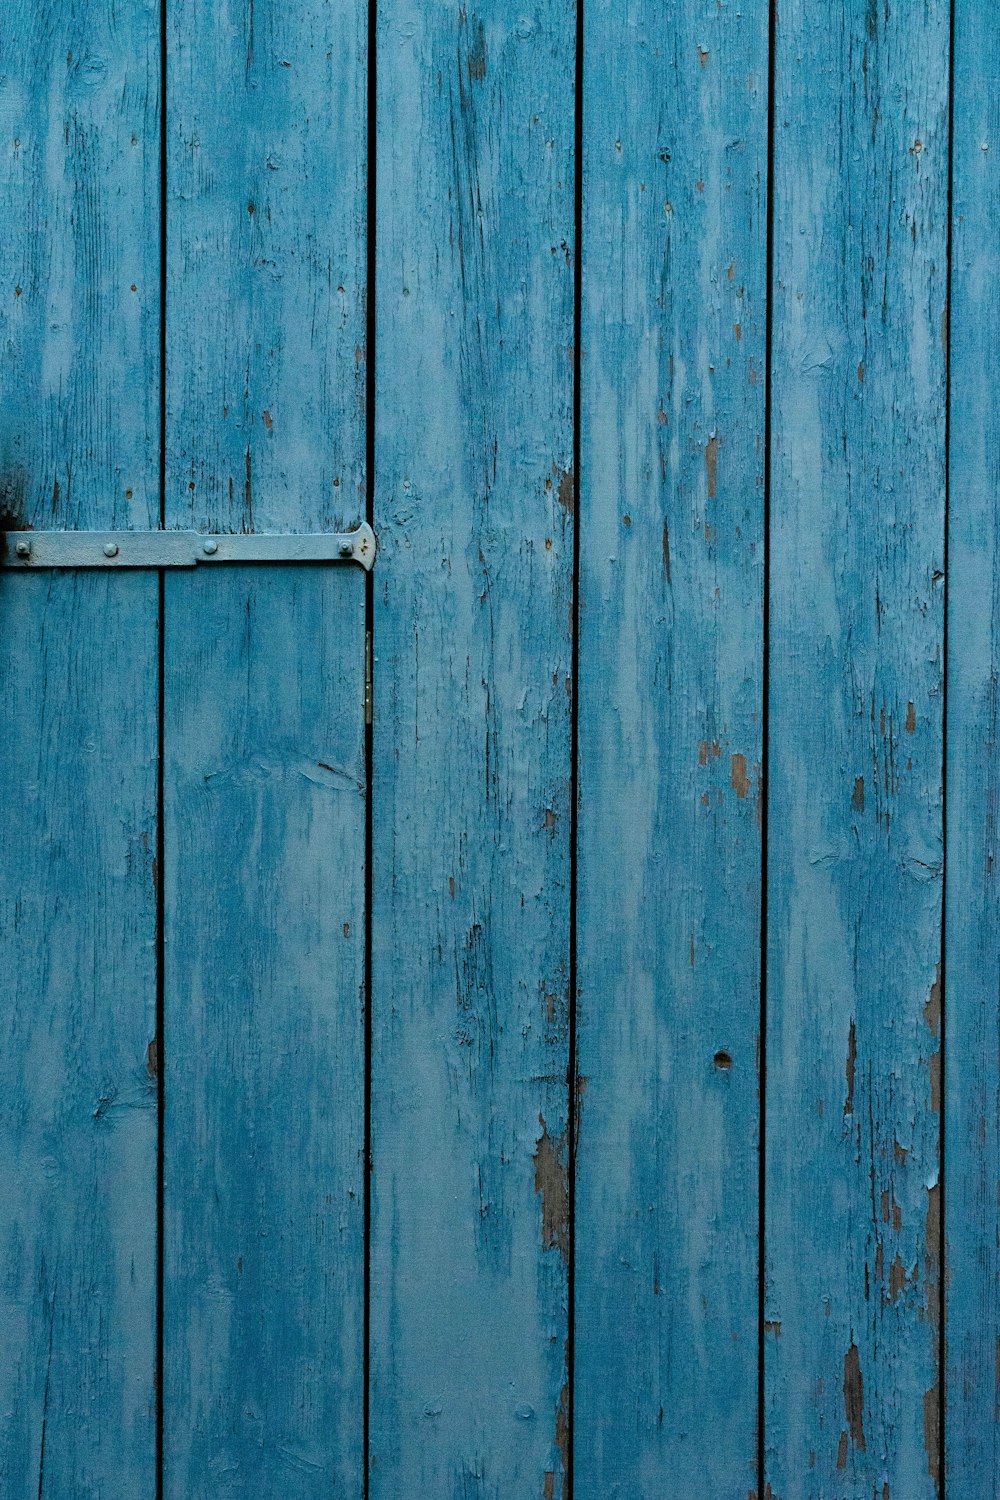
<point>28,550</point>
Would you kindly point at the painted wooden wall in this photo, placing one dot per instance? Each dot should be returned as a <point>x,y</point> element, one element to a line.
<point>579,1077</point>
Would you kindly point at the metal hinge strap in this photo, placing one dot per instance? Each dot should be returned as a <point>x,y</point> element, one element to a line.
<point>27,550</point>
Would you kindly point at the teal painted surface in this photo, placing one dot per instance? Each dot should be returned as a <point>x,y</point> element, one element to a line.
<point>79,261</point>
<point>79,338</point>
<point>855,809</point>
<point>972,982</point>
<point>266,215</point>
<point>474,373</point>
<point>77,1014</point>
<point>671,632</point>
<point>264,1039</point>
<point>264,774</point>
<point>526,1309</point>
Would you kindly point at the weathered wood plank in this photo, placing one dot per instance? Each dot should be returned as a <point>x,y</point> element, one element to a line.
<point>264,1045</point>
<point>78,665</point>
<point>972,957</point>
<point>79,273</point>
<point>472,748</point>
<point>855,815</point>
<point>264,1033</point>
<point>671,516</point>
<point>266,119</point>
<point>79,393</point>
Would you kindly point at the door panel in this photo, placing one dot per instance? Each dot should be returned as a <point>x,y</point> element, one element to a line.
<point>264,1032</point>
<point>80,264</point>
<point>78,913</point>
<point>855,816</point>
<point>79,422</point>
<point>671,700</point>
<point>265,264</point>
<point>472,750</point>
<point>264,1125</point>
<point>264,835</point>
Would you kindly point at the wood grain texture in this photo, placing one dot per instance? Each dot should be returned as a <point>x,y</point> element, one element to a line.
<point>78,665</point>
<point>264,1036</point>
<point>264,1045</point>
<point>972,960</point>
<point>79,264</point>
<point>472,748</point>
<point>671,517</point>
<point>79,391</point>
<point>855,820</point>
<point>266,127</point>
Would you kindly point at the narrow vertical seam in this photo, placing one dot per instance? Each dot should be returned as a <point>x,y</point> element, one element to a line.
<point>369,646</point>
<point>160,734</point>
<point>942,1276</point>
<point>572,1070</point>
<point>766,762</point>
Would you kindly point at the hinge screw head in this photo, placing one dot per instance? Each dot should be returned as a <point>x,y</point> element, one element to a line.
<point>209,546</point>
<point>23,549</point>
<point>110,549</point>
<point>346,548</point>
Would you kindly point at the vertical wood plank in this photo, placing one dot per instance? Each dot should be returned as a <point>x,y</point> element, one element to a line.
<point>264,1038</point>
<point>671,516</point>
<point>264,1044</point>
<point>855,815</point>
<point>78,665</point>
<point>475,495</point>
<point>79,274</point>
<point>266,126</point>
<point>972,956</point>
<point>79,392</point>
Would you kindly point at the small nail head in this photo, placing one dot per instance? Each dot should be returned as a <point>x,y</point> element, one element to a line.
<point>23,549</point>
<point>110,549</point>
<point>346,548</point>
<point>210,546</point>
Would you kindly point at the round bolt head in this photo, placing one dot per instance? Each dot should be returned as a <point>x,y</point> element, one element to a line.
<point>23,549</point>
<point>209,546</point>
<point>346,548</point>
<point>110,549</point>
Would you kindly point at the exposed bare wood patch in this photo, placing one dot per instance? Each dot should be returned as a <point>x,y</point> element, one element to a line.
<point>712,463</point>
<point>552,1185</point>
<point>854,1397</point>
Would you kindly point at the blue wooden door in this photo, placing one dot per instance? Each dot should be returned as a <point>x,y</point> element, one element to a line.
<point>522,1020</point>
